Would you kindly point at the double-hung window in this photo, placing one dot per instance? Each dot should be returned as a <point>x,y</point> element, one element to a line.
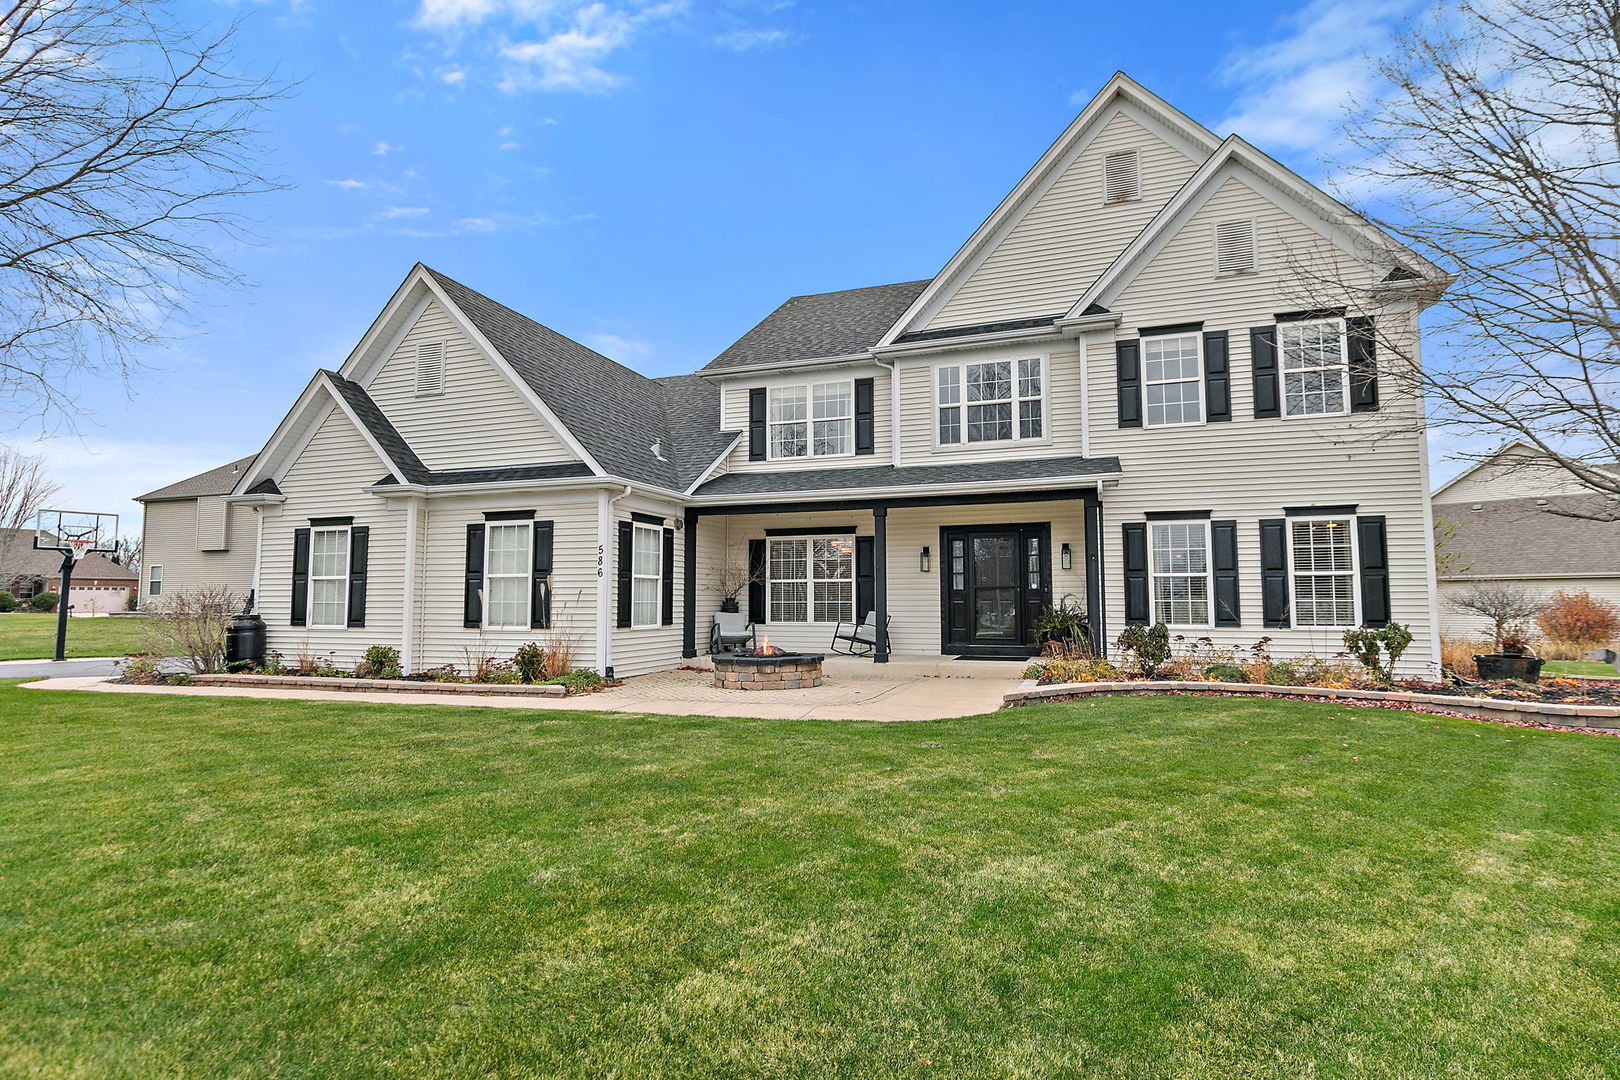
<point>997,401</point>
<point>1322,553</point>
<point>154,579</point>
<point>812,579</point>
<point>509,564</point>
<point>1316,371</point>
<point>1173,380</point>
<point>1179,566</point>
<point>646,575</point>
<point>329,577</point>
<point>817,420</point>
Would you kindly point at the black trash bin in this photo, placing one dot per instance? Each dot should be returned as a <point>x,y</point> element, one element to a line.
<point>244,642</point>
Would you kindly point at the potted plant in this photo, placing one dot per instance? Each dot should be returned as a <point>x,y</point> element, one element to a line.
<point>1513,659</point>
<point>1064,621</point>
<point>732,581</point>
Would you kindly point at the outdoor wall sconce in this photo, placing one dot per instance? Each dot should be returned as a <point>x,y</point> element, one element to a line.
<point>1066,557</point>
<point>922,563</point>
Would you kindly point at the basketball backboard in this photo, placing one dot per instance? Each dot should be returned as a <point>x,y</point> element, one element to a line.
<point>67,530</point>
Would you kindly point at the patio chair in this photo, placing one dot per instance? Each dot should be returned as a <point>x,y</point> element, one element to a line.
<point>731,630</point>
<point>858,639</point>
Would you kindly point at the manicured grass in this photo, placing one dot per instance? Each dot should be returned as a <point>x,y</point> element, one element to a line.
<point>1576,667</point>
<point>1155,887</point>
<point>27,636</point>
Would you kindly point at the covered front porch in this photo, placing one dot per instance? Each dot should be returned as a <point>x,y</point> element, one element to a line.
<point>953,578</point>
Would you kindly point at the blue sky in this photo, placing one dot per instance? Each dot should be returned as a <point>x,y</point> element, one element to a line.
<point>653,178</point>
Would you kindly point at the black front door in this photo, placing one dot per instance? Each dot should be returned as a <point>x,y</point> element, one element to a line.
<point>994,581</point>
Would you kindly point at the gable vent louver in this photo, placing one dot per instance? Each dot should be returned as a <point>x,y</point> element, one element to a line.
<point>1122,178</point>
<point>1234,247</point>
<point>430,367</point>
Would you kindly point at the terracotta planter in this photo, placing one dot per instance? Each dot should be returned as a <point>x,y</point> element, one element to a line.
<point>1497,667</point>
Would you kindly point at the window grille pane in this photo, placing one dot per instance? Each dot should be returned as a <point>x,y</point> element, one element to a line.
<point>789,558</point>
<point>1173,403</point>
<point>950,385</point>
<point>989,382</point>
<point>1313,393</point>
<point>835,558</point>
<point>1178,549</point>
<point>508,601</point>
<point>835,601</point>
<point>950,424</point>
<point>788,601</point>
<point>1322,547</point>
<point>834,436</point>
<point>1182,601</point>
<point>330,597</point>
<point>644,601</point>
<point>789,440</point>
<point>1029,420</point>
<point>989,423</point>
<point>509,549</point>
<point>787,403</point>
<point>1029,377</point>
<point>833,400</point>
<point>1324,582</point>
<point>329,553</point>
<point>1171,358</point>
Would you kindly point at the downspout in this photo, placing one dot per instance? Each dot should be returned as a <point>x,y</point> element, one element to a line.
<point>407,645</point>
<point>604,591</point>
<point>258,550</point>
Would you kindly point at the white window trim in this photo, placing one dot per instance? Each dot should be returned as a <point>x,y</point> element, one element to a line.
<point>656,578</point>
<point>1215,249</point>
<point>1282,370</point>
<point>1044,438</point>
<point>416,368</point>
<point>1354,575</point>
<point>154,580</point>
<point>809,420</point>
<point>527,575</point>
<point>348,551</point>
<point>1203,405</point>
<point>1209,574</point>
<point>809,580</point>
<point>1136,165</point>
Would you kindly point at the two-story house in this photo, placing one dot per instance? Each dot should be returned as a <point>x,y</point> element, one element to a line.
<point>1110,392</point>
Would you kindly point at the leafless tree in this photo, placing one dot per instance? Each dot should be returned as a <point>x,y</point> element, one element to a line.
<point>190,625</point>
<point>1494,153</point>
<point>25,488</point>
<point>127,553</point>
<point>127,142</point>
<point>1509,608</point>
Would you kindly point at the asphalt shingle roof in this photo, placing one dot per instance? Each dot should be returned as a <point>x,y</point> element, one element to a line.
<point>381,428</point>
<point>837,480</point>
<point>1513,537</point>
<point>220,481</point>
<point>19,558</point>
<point>821,325</point>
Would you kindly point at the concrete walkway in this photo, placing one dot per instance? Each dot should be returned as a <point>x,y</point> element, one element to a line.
<point>916,689</point>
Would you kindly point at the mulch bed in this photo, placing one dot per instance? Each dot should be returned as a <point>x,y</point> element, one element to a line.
<point>1560,691</point>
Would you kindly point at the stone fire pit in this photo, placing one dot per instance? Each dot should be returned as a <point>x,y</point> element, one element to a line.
<point>766,669</point>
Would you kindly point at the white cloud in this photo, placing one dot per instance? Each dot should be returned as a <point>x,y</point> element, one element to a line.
<point>105,474</point>
<point>350,184</point>
<point>477,224</point>
<point>395,212</point>
<point>453,78</point>
<point>623,349</point>
<point>383,149</point>
<point>744,40</point>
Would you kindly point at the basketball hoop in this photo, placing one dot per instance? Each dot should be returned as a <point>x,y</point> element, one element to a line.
<point>75,534</point>
<point>79,547</point>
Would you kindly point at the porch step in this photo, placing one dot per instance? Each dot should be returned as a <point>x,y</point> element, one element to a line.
<point>923,666</point>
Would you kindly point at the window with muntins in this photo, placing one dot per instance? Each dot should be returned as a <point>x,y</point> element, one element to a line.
<point>1173,380</point>
<point>1316,372</point>
<point>1322,552</point>
<point>646,575</point>
<point>1179,566</point>
<point>329,577</point>
<point>811,579</point>
<point>154,581</point>
<point>508,565</point>
<point>998,401</point>
<point>817,420</point>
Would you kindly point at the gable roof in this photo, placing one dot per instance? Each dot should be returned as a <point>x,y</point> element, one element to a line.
<point>22,559</point>
<point>820,326</point>
<point>1527,461</point>
<point>217,481</point>
<point>1521,537</point>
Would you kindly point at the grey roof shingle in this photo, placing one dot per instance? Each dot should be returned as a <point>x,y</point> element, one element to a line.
<point>694,424</point>
<point>19,558</point>
<point>821,325</point>
<point>500,473</point>
<point>1513,537</point>
<point>838,480</point>
<point>220,481</point>
<point>381,428</point>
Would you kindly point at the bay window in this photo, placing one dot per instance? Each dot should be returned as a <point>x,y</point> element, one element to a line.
<point>1315,369</point>
<point>1178,565</point>
<point>997,401</point>
<point>1322,555</point>
<point>811,579</point>
<point>1172,380</point>
<point>508,565</point>
<point>816,420</point>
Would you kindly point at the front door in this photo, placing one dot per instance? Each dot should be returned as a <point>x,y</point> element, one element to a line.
<point>995,579</point>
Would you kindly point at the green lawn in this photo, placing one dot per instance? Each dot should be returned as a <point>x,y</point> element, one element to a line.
<point>29,636</point>
<point>1577,667</point>
<point>1146,888</point>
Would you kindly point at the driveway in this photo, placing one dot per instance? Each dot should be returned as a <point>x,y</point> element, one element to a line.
<point>90,667</point>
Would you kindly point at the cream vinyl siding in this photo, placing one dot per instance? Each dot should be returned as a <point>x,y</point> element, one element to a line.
<point>734,417</point>
<point>1493,480</point>
<point>914,612</point>
<point>327,480</point>
<point>169,539</point>
<point>638,650</point>
<point>1060,370</point>
<point>479,420</point>
<point>1247,469</point>
<point>1070,233</point>
<point>1455,623</point>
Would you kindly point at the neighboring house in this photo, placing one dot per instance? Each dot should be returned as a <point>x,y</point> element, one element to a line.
<point>1507,521</point>
<point>1110,391</point>
<point>191,538</point>
<point>99,586</point>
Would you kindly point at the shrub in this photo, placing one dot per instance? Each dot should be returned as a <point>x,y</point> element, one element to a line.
<point>1061,669</point>
<point>578,680</point>
<point>1280,673</point>
<point>179,678</point>
<point>328,671</point>
<point>530,662</point>
<point>1457,656</point>
<point>190,625</point>
<point>45,601</point>
<point>272,665</point>
<point>1368,644</point>
<point>1064,621</point>
<point>444,673</point>
<point>1508,608</point>
<point>132,602</point>
<point>379,662</point>
<point>1578,621</point>
<point>7,601</point>
<point>504,676</point>
<point>1148,647</point>
<point>1226,673</point>
<point>140,669</point>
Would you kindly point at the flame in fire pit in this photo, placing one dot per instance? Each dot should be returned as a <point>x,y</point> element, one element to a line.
<point>764,648</point>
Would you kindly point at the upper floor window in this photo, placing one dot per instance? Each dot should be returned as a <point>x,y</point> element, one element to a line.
<point>812,579</point>
<point>329,577</point>
<point>507,579</point>
<point>1316,372</point>
<point>1179,567</point>
<point>817,420</point>
<point>996,401</point>
<point>1173,380</point>
<point>1234,247</point>
<point>1122,178</point>
<point>430,367</point>
<point>1322,553</point>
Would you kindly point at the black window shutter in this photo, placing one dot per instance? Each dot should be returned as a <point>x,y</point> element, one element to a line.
<point>472,602</point>
<point>540,582</point>
<point>1362,349</point>
<point>359,557</point>
<point>865,576</point>
<point>1128,372</point>
<point>756,424</point>
<point>300,581</point>
<point>865,442</point>
<point>1137,611</point>
<point>1224,560</point>
<point>1274,573</point>
<point>627,554</point>
<point>669,578</point>
<point>1263,365</point>
<point>1217,377</point>
<point>756,580</point>
<point>1372,549</point>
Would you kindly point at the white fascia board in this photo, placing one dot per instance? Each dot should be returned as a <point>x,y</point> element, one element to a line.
<point>288,436</point>
<point>713,465</point>
<point>498,487</point>
<point>745,371</point>
<point>359,365</point>
<point>1179,129</point>
<point>253,500</point>
<point>977,341</point>
<point>1033,484</point>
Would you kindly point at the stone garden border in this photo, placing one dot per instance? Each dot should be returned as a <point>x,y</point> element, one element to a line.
<point>396,686</point>
<point>1598,717</point>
